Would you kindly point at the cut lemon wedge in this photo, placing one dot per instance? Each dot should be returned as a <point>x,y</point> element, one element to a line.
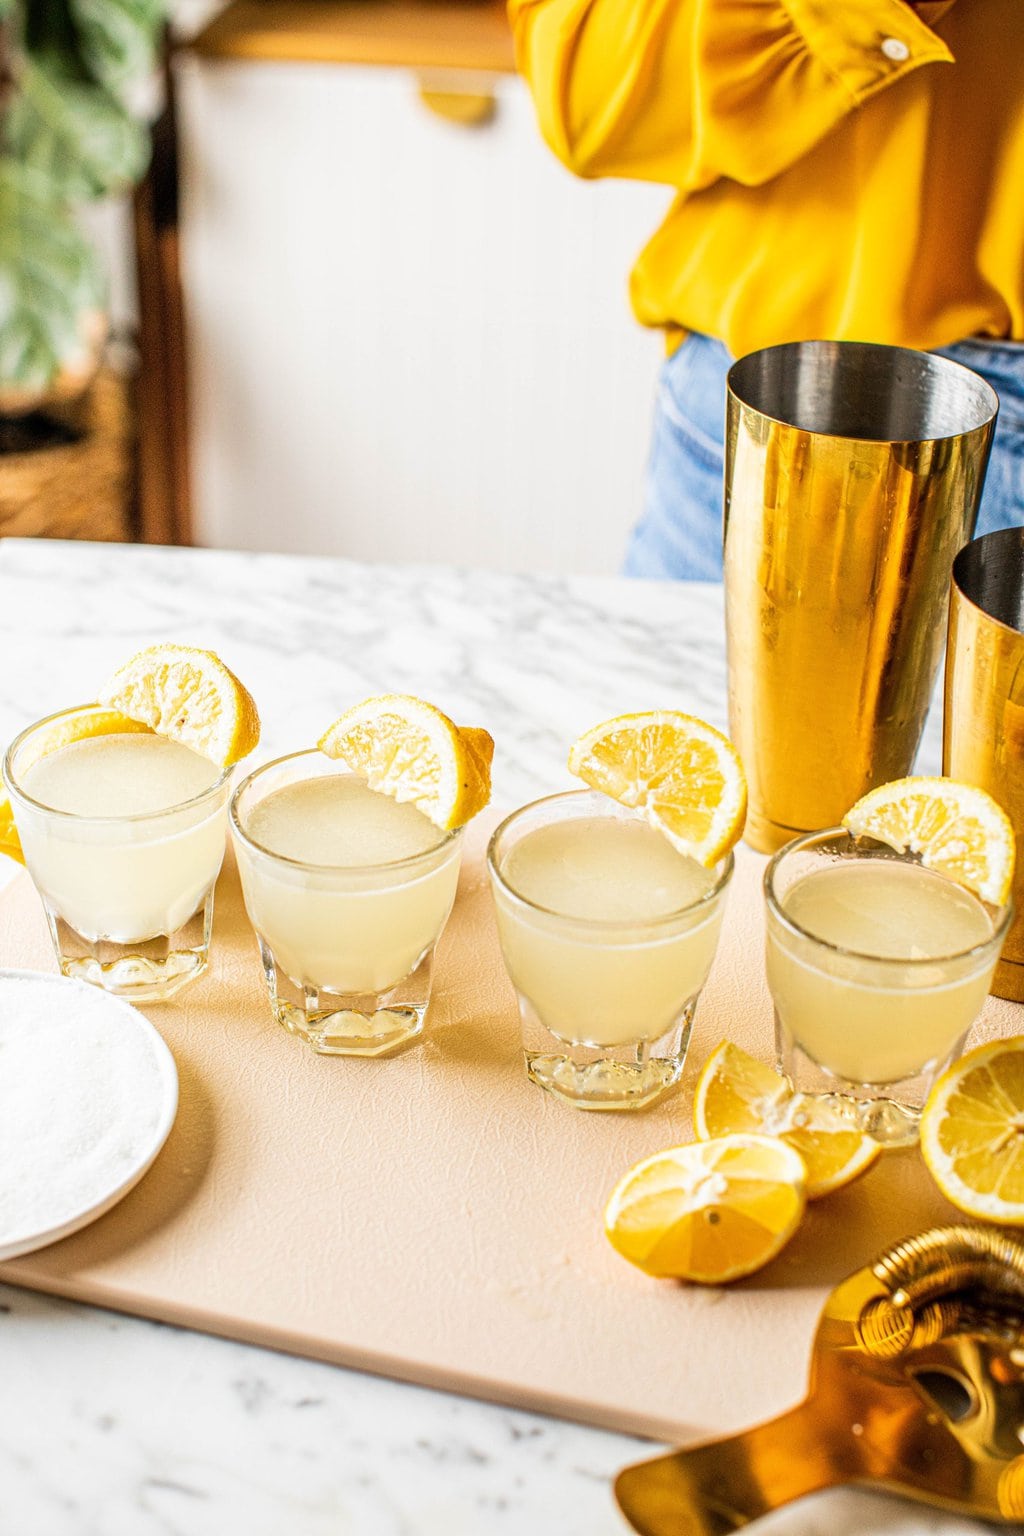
<point>190,696</point>
<point>957,829</point>
<point>972,1132</point>
<point>736,1092</point>
<point>684,775</point>
<point>10,842</point>
<point>711,1211</point>
<point>409,750</point>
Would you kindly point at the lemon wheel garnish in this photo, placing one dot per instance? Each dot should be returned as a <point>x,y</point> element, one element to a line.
<point>972,1132</point>
<point>684,775</point>
<point>957,829</point>
<point>710,1211</point>
<point>409,750</point>
<point>738,1093</point>
<point>189,696</point>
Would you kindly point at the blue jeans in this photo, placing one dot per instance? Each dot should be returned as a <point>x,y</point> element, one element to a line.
<point>679,534</point>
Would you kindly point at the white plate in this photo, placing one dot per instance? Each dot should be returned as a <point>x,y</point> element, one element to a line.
<point>88,1095</point>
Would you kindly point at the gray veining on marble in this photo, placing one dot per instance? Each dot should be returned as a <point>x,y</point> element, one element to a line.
<point>533,659</point>
<point>110,1426</point>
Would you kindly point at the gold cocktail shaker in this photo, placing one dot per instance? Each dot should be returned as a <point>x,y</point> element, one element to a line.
<point>983,719</point>
<point>852,478</point>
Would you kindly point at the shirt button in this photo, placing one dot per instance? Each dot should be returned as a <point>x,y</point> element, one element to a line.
<point>896,49</point>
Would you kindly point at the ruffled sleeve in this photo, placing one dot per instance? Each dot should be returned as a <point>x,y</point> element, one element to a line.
<point>686,92</point>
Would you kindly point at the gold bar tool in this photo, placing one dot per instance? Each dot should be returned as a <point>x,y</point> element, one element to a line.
<point>916,1386</point>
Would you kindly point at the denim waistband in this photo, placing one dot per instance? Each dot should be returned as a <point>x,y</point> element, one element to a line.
<point>1000,362</point>
<point>695,374</point>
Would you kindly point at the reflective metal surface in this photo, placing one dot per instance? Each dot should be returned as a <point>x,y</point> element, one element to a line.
<point>852,478</point>
<point>983,721</point>
<point>917,1385</point>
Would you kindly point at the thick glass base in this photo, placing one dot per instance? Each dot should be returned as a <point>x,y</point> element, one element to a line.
<point>890,1113</point>
<point>889,1122</point>
<point>142,971</point>
<point>605,1077</point>
<point>350,1023</point>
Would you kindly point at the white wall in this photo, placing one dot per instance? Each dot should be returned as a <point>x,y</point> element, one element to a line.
<point>409,339</point>
<point>108,225</point>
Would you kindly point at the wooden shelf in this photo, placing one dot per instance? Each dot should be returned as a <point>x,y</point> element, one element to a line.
<point>430,34</point>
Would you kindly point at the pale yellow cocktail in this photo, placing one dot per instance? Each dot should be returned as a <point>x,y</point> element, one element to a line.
<point>348,891</point>
<point>123,835</point>
<point>608,935</point>
<point>877,967</point>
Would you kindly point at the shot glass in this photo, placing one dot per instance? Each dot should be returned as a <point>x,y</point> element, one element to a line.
<point>128,898</point>
<point>347,947</point>
<point>877,968</point>
<point>606,971</point>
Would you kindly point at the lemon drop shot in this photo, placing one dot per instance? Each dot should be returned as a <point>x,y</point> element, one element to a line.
<point>609,902</point>
<point>120,818</point>
<point>349,858</point>
<point>882,939</point>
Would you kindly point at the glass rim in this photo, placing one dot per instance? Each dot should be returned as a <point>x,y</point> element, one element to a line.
<point>410,860</point>
<point>935,362</point>
<point>774,905</point>
<point>725,866</point>
<point>20,793</point>
<point>959,578</point>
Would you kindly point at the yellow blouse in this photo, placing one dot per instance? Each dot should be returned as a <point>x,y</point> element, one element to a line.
<point>845,168</point>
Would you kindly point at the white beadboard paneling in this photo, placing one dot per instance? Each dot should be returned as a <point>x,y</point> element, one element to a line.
<point>409,340</point>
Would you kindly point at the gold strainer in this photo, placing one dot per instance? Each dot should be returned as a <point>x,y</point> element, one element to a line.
<point>916,1385</point>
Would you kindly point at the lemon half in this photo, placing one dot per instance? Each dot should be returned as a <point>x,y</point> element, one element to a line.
<point>190,696</point>
<point>958,830</point>
<point>684,775</point>
<point>737,1092</point>
<point>972,1132</point>
<point>710,1211</point>
<point>407,749</point>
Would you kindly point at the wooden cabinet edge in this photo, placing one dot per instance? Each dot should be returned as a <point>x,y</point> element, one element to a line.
<point>440,34</point>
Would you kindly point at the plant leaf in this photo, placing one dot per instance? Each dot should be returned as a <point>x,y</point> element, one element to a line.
<point>49,276</point>
<point>75,133</point>
<point>117,38</point>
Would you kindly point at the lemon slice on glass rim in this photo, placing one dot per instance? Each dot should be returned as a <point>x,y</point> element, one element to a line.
<point>684,776</point>
<point>958,830</point>
<point>176,691</point>
<point>190,696</point>
<point>710,1211</point>
<point>408,749</point>
<point>738,1093</point>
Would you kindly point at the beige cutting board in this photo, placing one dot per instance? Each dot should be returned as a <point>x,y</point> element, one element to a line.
<point>437,1218</point>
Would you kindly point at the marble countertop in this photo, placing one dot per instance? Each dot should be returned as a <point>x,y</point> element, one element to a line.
<point>112,1426</point>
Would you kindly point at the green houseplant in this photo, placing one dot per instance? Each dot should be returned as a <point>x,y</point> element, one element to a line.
<point>73,76</point>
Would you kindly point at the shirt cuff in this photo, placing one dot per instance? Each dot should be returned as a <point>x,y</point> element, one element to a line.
<point>866,45</point>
